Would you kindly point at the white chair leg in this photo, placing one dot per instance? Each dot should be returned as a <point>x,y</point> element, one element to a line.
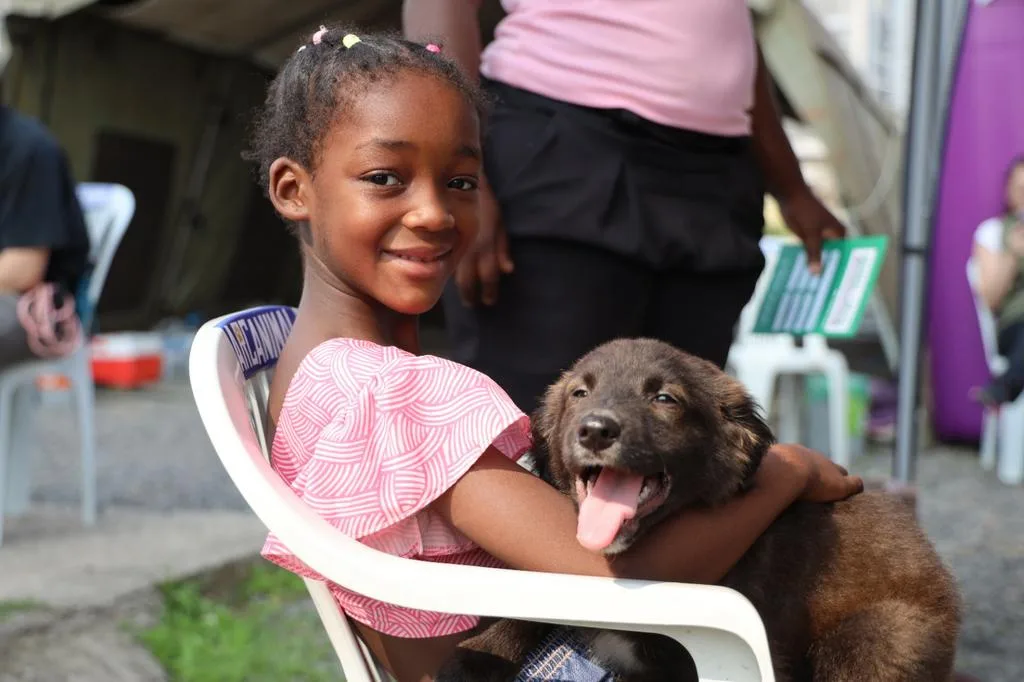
<point>789,409</point>
<point>989,439</point>
<point>85,402</point>
<point>6,410</point>
<point>838,374</point>
<point>22,446</point>
<point>1010,467</point>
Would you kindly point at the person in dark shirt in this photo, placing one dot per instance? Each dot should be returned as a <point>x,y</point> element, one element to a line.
<point>44,245</point>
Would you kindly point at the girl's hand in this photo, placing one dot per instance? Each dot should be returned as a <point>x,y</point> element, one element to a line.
<point>822,479</point>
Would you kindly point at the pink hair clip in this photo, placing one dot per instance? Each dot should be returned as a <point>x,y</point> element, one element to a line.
<point>318,36</point>
<point>431,47</point>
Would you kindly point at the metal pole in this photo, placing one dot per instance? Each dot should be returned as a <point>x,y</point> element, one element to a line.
<point>918,155</point>
<point>936,46</point>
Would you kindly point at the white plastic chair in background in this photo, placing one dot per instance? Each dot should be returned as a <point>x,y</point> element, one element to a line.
<point>1002,435</point>
<point>761,360</point>
<point>108,210</point>
<point>719,627</point>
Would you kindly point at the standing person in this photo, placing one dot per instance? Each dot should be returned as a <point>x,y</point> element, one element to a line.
<point>624,157</point>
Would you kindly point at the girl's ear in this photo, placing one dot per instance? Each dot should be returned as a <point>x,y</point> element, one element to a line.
<point>290,189</point>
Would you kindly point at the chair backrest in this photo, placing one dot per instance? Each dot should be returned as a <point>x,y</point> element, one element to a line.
<point>256,336</point>
<point>108,210</point>
<point>986,320</point>
<point>231,363</point>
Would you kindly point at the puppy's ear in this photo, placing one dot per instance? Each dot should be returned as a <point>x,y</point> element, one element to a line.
<point>746,431</point>
<point>544,427</point>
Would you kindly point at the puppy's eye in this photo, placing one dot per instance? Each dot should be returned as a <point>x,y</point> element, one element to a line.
<point>580,393</point>
<point>666,399</point>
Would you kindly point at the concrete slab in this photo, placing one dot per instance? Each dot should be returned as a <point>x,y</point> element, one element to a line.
<point>48,558</point>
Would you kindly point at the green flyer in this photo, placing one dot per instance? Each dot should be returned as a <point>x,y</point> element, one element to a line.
<point>831,303</point>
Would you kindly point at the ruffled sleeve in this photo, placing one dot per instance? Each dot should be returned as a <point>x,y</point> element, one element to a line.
<point>406,430</point>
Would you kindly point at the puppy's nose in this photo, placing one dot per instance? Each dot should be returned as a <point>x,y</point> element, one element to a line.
<point>598,431</point>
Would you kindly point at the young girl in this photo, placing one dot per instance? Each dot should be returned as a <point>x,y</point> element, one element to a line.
<point>369,146</point>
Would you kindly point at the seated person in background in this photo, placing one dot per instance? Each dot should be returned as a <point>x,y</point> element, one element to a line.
<point>999,258</point>
<point>44,246</point>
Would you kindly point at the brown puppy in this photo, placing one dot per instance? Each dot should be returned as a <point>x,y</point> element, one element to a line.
<point>639,430</point>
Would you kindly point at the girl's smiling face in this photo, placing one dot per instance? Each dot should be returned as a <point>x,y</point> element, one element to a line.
<point>392,202</point>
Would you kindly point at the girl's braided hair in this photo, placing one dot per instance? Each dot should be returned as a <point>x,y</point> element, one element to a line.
<point>315,85</point>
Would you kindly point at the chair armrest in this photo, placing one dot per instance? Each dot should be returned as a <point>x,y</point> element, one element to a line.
<point>715,623</point>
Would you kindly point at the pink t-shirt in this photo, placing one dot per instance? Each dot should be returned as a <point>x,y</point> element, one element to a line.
<point>683,63</point>
<point>369,436</point>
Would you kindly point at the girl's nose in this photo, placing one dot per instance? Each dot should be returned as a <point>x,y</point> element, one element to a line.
<point>430,213</point>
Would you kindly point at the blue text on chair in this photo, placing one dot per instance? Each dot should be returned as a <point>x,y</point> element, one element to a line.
<point>258,335</point>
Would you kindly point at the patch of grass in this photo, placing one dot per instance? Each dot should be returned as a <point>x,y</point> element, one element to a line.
<point>253,624</point>
<point>9,609</point>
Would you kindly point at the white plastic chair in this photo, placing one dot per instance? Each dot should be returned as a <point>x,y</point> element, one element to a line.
<point>759,360</point>
<point>1002,435</point>
<point>719,627</point>
<point>108,211</point>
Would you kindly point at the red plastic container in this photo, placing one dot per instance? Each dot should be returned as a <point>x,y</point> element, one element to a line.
<point>127,360</point>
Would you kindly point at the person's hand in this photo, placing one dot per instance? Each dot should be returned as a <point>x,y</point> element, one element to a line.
<point>810,220</point>
<point>1015,239</point>
<point>817,478</point>
<point>487,259</point>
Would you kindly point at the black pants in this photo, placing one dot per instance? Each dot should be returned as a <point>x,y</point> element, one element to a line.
<point>618,227</point>
<point>1008,386</point>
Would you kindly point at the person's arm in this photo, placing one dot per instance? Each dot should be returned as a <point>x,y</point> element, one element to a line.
<point>805,215</point>
<point>528,525</point>
<point>775,155</point>
<point>22,268</point>
<point>453,22</point>
<point>996,274</point>
<point>997,270</point>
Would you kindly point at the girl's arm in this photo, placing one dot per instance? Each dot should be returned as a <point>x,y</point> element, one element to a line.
<point>520,520</point>
<point>454,22</point>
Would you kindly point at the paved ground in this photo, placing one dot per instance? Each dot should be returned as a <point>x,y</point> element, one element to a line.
<point>48,558</point>
<point>977,524</point>
<point>154,457</point>
<point>85,647</point>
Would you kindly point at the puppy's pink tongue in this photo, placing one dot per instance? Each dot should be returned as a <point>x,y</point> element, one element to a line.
<point>611,502</point>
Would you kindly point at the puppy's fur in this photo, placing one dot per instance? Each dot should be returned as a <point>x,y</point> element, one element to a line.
<point>851,591</point>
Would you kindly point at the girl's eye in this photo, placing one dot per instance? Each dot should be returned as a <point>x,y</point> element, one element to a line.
<point>383,179</point>
<point>665,399</point>
<point>580,393</point>
<point>464,184</point>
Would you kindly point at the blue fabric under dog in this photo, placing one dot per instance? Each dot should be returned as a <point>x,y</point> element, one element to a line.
<point>562,657</point>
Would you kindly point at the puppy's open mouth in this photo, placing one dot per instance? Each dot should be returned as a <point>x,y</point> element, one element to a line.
<point>609,499</point>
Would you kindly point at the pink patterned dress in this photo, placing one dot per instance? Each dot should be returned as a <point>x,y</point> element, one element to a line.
<point>369,436</point>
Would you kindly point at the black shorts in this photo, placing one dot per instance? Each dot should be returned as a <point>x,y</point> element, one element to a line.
<point>618,227</point>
